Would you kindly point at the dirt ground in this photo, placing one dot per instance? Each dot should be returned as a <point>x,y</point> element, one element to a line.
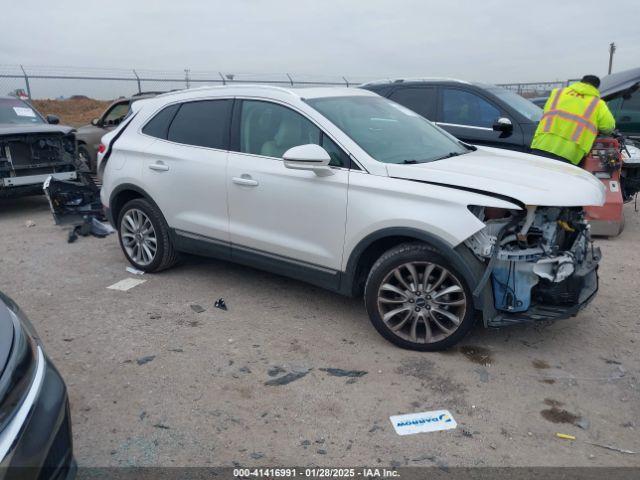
<point>152,382</point>
<point>73,111</point>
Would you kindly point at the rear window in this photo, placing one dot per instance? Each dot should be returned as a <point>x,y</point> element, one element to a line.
<point>16,112</point>
<point>203,123</point>
<point>158,126</point>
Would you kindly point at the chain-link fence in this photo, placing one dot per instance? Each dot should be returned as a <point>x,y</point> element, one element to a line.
<point>64,82</point>
<point>40,82</point>
<point>535,89</point>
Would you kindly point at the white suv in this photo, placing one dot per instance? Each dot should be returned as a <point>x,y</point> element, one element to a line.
<point>352,192</point>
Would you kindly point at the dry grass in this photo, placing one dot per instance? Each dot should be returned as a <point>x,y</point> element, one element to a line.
<point>74,111</point>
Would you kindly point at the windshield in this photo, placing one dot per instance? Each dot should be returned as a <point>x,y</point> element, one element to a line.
<point>524,107</point>
<point>16,112</point>
<point>387,131</point>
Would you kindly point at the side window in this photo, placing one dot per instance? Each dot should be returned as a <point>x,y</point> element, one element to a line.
<point>629,112</point>
<point>269,129</point>
<point>203,123</point>
<point>158,126</point>
<point>116,114</point>
<point>420,100</point>
<point>466,108</point>
<point>338,157</point>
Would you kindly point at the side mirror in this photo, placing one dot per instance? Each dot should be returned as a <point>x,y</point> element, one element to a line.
<point>53,119</point>
<point>503,124</point>
<point>95,122</point>
<point>306,157</point>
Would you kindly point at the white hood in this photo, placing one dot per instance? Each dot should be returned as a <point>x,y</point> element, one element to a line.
<point>531,179</point>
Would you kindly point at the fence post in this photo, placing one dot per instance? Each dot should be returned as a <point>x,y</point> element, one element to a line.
<point>186,77</point>
<point>138,80</point>
<point>224,82</point>
<point>26,81</point>
<point>290,79</point>
<point>346,81</point>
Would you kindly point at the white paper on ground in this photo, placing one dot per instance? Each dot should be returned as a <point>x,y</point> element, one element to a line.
<point>434,421</point>
<point>126,284</point>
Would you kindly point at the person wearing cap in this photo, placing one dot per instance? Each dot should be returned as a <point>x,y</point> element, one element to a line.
<point>572,118</point>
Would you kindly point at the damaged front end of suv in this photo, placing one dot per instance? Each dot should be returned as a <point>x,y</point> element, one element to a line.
<point>540,262</point>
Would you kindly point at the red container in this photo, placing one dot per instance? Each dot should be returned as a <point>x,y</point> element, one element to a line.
<point>604,161</point>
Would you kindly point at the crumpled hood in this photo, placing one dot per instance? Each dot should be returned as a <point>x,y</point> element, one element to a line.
<point>531,179</point>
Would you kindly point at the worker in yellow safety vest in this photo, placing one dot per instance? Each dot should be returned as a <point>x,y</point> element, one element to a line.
<point>572,118</point>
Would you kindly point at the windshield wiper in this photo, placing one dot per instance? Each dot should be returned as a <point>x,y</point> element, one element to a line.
<point>449,155</point>
<point>409,162</point>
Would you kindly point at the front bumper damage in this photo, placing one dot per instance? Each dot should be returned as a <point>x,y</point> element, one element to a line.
<point>540,266</point>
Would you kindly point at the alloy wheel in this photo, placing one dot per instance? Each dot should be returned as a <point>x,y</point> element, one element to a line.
<point>421,302</point>
<point>138,237</point>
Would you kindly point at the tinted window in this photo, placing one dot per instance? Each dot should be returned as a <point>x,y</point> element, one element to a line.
<point>338,156</point>
<point>387,131</point>
<point>525,107</point>
<point>17,112</point>
<point>420,100</point>
<point>158,126</point>
<point>116,114</point>
<point>628,117</point>
<point>465,108</point>
<point>269,129</point>
<point>203,124</point>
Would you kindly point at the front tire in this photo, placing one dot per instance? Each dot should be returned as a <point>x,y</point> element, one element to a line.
<point>417,300</point>
<point>144,236</point>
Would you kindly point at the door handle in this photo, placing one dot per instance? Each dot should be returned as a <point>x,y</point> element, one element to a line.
<point>246,181</point>
<point>159,167</point>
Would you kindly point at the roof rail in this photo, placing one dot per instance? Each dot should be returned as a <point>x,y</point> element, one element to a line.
<point>415,79</point>
<point>233,85</point>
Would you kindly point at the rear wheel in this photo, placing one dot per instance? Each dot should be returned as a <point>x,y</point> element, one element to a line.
<point>144,236</point>
<point>417,300</point>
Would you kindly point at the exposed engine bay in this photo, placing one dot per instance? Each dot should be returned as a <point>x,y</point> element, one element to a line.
<point>26,159</point>
<point>541,261</point>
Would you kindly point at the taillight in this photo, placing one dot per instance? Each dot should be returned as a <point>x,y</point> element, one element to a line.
<point>102,148</point>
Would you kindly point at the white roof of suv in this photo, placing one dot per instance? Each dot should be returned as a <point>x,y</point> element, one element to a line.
<point>257,89</point>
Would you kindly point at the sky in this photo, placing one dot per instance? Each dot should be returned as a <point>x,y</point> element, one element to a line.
<point>487,40</point>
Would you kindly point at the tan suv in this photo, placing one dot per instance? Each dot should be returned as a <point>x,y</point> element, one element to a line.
<point>88,136</point>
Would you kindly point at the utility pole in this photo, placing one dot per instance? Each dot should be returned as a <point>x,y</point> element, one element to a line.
<point>612,50</point>
<point>186,77</point>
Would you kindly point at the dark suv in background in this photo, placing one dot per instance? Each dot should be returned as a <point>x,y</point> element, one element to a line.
<point>475,113</point>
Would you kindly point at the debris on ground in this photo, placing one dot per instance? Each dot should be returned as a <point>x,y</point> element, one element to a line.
<point>565,436</point>
<point>288,378</point>
<point>220,303</point>
<point>256,455</point>
<point>275,371</point>
<point>411,423</point>
<point>134,271</point>
<point>90,226</point>
<point>611,447</point>
<point>479,355</point>
<point>29,223</point>
<point>583,423</point>
<point>126,284</point>
<point>339,372</point>
<point>483,374</point>
<point>162,426</point>
<point>143,360</point>
<point>197,308</point>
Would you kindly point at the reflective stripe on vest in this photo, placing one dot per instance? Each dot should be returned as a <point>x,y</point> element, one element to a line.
<point>587,114</point>
<point>552,107</point>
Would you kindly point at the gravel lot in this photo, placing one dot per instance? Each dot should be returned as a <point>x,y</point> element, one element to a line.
<point>152,382</point>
